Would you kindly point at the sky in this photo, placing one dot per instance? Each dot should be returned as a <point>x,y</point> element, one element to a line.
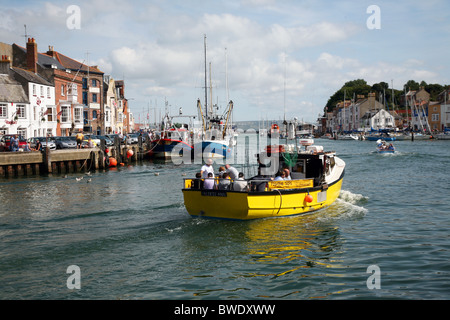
<point>274,59</point>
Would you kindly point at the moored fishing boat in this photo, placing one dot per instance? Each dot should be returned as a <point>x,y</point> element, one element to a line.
<point>170,142</point>
<point>315,183</point>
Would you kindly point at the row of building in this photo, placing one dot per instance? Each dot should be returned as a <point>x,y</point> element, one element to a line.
<point>48,93</point>
<point>367,113</point>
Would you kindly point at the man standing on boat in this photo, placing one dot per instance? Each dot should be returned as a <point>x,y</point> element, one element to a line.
<point>234,174</point>
<point>207,168</point>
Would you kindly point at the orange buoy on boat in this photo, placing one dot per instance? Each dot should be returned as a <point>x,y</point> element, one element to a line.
<point>130,153</point>
<point>112,162</point>
<point>309,198</point>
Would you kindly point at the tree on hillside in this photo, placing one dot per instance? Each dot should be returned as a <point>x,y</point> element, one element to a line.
<point>349,89</point>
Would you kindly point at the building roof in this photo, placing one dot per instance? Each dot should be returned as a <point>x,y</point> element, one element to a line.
<point>30,76</point>
<point>72,64</point>
<point>44,60</point>
<point>62,62</point>
<point>11,90</point>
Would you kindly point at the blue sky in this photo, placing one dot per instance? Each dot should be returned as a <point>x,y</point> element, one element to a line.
<point>282,55</point>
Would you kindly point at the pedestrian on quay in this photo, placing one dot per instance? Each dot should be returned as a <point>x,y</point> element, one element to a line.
<point>79,137</point>
<point>38,146</point>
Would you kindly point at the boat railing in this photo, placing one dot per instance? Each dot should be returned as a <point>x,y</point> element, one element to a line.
<point>250,185</point>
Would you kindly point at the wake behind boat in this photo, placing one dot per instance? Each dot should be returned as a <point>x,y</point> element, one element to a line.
<point>315,183</point>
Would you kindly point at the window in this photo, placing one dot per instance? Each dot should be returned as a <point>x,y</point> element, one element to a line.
<point>94,114</point>
<point>34,89</point>
<point>107,116</point>
<point>78,115</point>
<point>21,111</point>
<point>51,114</point>
<point>62,90</point>
<point>435,117</point>
<point>85,83</point>
<point>48,92</point>
<point>94,97</point>
<point>85,96</point>
<point>3,110</point>
<point>42,91</point>
<point>22,132</point>
<point>65,115</point>
<point>94,82</point>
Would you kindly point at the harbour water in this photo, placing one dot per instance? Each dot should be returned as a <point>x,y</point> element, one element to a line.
<point>131,237</point>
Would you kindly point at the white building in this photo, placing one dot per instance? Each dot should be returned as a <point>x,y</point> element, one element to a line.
<point>27,102</point>
<point>41,115</point>
<point>378,120</point>
<point>14,103</point>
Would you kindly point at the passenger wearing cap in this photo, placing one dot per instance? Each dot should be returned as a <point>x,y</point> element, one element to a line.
<point>207,168</point>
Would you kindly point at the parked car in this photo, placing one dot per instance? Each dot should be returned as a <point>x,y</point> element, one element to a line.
<point>44,142</point>
<point>113,137</point>
<point>132,138</point>
<point>65,143</point>
<point>108,141</point>
<point>5,142</point>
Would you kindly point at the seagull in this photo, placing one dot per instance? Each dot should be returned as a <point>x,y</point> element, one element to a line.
<point>88,173</point>
<point>156,173</point>
<point>79,179</point>
<point>89,180</point>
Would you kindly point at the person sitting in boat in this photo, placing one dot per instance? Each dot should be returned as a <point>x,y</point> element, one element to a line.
<point>224,182</point>
<point>208,184</point>
<point>240,184</point>
<point>391,147</point>
<point>287,174</point>
<point>222,170</point>
<point>234,174</point>
<point>207,168</point>
<point>197,183</point>
<point>279,176</point>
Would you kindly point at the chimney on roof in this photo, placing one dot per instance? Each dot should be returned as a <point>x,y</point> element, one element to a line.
<point>32,55</point>
<point>51,52</point>
<point>371,98</point>
<point>5,64</point>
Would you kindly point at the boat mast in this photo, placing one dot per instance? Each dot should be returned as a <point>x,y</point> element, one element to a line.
<point>206,87</point>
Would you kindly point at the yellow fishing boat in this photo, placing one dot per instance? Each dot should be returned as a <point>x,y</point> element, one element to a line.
<point>316,180</point>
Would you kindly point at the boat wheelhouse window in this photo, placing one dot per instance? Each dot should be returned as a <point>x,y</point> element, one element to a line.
<point>298,171</point>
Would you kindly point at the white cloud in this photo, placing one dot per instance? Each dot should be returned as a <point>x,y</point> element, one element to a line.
<point>158,47</point>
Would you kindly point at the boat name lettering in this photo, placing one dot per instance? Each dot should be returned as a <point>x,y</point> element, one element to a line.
<point>291,184</point>
<point>214,193</point>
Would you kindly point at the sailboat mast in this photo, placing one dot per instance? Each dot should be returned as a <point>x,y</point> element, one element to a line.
<point>206,87</point>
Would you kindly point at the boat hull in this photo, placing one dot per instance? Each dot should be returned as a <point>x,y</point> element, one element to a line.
<point>166,148</point>
<point>212,149</point>
<point>255,205</point>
